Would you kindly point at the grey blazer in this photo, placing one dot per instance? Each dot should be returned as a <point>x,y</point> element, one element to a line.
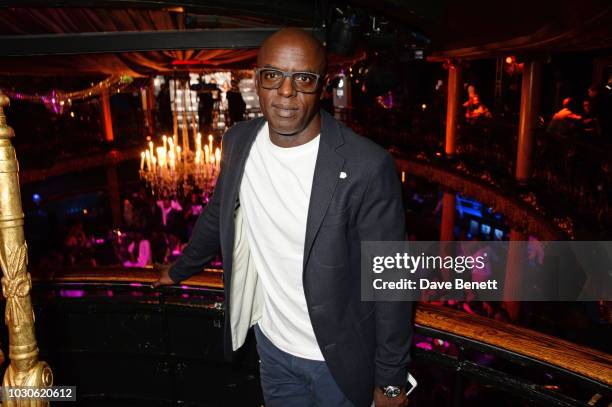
<point>364,343</point>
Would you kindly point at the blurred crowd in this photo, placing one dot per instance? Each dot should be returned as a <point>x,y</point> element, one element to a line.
<point>153,231</point>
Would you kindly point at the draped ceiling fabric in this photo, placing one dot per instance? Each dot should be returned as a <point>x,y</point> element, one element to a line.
<point>16,21</point>
<point>474,29</point>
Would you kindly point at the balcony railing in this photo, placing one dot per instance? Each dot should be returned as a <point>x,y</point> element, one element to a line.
<point>572,177</point>
<point>122,343</point>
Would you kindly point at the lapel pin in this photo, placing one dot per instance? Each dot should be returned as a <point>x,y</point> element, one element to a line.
<point>342,174</point>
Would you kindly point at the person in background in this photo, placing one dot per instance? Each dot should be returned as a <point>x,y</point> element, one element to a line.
<point>175,247</point>
<point>477,111</point>
<point>128,213</point>
<point>600,98</point>
<point>235,103</point>
<point>139,251</point>
<point>163,110</point>
<point>595,98</point>
<point>193,209</point>
<point>469,104</point>
<point>565,121</point>
<point>78,247</point>
<point>159,246</point>
<point>590,122</point>
<point>169,215</point>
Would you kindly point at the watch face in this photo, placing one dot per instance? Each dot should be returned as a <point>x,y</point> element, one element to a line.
<point>392,391</point>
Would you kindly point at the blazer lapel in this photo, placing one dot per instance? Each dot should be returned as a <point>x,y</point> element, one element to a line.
<point>327,172</point>
<point>240,154</point>
<point>235,170</point>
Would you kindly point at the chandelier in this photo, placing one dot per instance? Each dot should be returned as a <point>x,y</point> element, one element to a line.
<point>177,167</point>
<point>170,169</point>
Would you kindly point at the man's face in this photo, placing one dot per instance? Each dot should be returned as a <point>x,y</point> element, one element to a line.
<point>287,111</point>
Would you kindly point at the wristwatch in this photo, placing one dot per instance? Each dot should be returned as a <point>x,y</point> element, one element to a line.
<point>391,391</point>
<point>395,391</point>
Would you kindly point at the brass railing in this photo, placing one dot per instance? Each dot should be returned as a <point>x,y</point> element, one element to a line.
<point>589,364</point>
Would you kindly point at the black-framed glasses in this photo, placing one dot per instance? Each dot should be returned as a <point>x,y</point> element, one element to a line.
<point>305,82</point>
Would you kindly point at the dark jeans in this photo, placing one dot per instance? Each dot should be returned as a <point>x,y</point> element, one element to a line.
<point>291,381</point>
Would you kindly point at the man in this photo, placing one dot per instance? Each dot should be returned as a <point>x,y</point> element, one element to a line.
<point>565,121</point>
<point>296,195</point>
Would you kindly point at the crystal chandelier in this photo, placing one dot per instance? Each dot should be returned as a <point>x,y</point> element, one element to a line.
<point>171,170</point>
<point>176,168</point>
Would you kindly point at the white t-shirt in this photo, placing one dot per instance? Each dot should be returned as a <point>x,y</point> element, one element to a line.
<point>274,195</point>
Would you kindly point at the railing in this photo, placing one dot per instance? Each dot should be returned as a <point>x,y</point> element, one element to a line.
<point>578,169</point>
<point>79,164</point>
<point>489,145</point>
<point>560,372</point>
<point>572,177</point>
<point>519,214</point>
<point>118,340</point>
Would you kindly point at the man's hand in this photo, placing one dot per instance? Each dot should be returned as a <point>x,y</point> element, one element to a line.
<point>380,400</point>
<point>164,275</point>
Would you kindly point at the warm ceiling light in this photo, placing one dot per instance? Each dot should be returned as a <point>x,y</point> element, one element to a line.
<point>174,9</point>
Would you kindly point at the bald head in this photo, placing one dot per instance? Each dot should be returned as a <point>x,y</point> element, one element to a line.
<point>294,40</point>
<point>293,115</point>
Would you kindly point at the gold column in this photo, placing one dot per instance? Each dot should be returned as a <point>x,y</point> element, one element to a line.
<point>453,107</point>
<point>515,271</point>
<point>107,117</point>
<point>530,106</point>
<point>25,369</point>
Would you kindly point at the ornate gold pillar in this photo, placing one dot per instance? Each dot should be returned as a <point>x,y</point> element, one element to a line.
<point>25,369</point>
<point>453,107</point>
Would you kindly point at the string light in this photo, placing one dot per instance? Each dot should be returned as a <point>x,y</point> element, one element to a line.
<point>57,101</point>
